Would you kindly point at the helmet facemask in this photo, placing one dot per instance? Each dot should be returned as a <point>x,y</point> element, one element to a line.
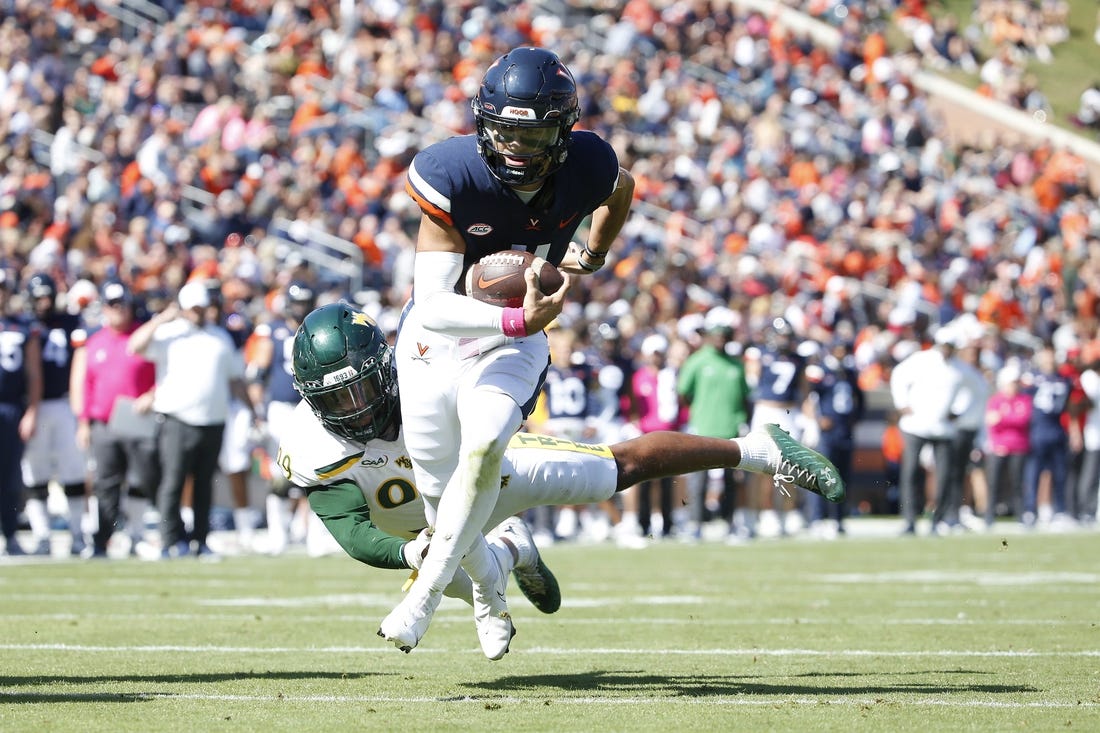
<point>520,153</point>
<point>344,370</point>
<point>360,408</point>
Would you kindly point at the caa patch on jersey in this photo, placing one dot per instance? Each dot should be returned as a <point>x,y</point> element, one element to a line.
<point>498,277</point>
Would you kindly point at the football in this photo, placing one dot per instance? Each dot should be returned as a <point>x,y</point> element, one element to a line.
<point>498,277</point>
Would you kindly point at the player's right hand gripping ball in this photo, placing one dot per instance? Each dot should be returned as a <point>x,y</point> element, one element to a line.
<point>498,277</point>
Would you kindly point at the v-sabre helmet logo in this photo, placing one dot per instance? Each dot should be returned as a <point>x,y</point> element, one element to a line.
<point>479,230</point>
<point>338,376</point>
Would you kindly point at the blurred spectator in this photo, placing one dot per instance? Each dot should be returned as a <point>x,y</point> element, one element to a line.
<point>893,447</point>
<point>107,374</point>
<point>1072,365</point>
<point>1088,482</point>
<point>970,412</point>
<point>924,386</point>
<point>777,373</point>
<point>1088,108</point>
<point>1049,442</point>
<point>20,397</point>
<point>839,406</point>
<point>52,453</point>
<point>198,371</point>
<point>655,406</point>
<point>235,456</point>
<point>271,384</point>
<point>1007,423</point>
<point>713,385</point>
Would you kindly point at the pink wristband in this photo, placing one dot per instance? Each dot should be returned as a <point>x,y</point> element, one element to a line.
<point>512,322</point>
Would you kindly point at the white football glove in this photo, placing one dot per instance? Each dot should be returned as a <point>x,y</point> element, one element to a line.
<point>416,548</point>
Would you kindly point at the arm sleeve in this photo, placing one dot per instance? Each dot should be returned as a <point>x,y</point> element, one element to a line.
<point>442,309</point>
<point>341,507</point>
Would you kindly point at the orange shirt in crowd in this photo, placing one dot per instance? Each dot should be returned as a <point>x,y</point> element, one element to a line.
<point>803,173</point>
<point>308,111</point>
<point>1005,313</point>
<point>892,444</point>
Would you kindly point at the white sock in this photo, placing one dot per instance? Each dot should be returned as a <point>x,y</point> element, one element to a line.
<point>37,518</point>
<point>278,517</point>
<point>318,539</point>
<point>482,560</point>
<point>756,453</point>
<point>566,526</point>
<point>91,516</point>
<point>76,516</point>
<point>299,523</point>
<point>187,514</point>
<point>656,524</point>
<point>242,520</point>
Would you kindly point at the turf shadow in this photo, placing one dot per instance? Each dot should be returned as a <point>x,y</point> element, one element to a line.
<point>9,696</point>
<point>702,685</point>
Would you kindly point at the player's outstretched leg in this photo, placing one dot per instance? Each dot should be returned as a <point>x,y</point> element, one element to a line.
<point>533,578</point>
<point>407,623</point>
<point>792,463</point>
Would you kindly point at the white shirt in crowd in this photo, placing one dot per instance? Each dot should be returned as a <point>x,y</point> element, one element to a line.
<point>194,369</point>
<point>1090,433</point>
<point>927,383</point>
<point>970,403</point>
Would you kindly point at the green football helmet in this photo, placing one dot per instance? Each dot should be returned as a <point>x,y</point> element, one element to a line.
<point>344,370</point>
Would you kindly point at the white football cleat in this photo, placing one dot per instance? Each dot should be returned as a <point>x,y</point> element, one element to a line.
<point>407,623</point>
<point>491,616</point>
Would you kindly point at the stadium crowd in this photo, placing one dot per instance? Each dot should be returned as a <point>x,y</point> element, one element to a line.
<point>777,182</point>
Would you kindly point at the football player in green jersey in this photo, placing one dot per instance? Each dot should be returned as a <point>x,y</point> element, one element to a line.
<point>348,454</point>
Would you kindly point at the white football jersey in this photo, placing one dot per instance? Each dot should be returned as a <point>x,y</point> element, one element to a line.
<point>537,470</point>
<point>312,456</point>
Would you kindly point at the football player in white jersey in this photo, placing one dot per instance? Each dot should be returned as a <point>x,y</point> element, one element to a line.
<point>349,455</point>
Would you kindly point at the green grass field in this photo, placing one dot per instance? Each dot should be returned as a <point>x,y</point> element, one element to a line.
<point>975,632</point>
<point>1063,80</point>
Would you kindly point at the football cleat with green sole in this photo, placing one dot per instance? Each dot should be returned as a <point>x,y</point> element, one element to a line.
<point>803,467</point>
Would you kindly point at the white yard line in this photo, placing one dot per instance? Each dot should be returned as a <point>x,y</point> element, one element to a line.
<point>665,621</point>
<point>208,649</point>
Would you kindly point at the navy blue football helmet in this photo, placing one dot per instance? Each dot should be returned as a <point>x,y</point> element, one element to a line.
<point>525,110</point>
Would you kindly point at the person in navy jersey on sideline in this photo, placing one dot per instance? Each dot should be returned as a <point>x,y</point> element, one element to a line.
<point>20,396</point>
<point>777,397</point>
<point>1049,452</point>
<point>470,371</point>
<point>568,402</point>
<point>53,453</point>
<point>270,375</point>
<point>839,407</point>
